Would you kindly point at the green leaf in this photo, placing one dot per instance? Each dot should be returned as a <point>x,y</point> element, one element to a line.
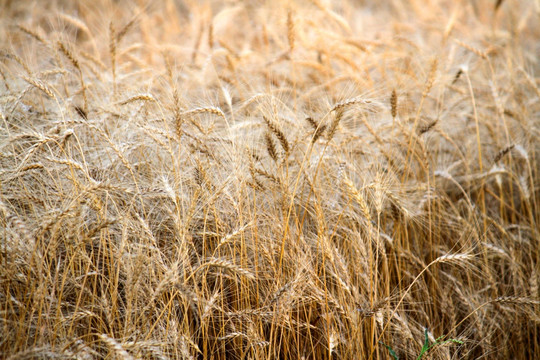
<point>426,346</point>
<point>390,350</point>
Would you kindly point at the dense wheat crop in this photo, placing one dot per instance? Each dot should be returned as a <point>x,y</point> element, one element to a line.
<point>185,179</point>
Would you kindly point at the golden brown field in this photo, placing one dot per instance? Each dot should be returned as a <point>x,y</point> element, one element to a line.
<point>186,179</point>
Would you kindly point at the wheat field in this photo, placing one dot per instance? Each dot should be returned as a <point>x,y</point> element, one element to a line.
<point>190,179</point>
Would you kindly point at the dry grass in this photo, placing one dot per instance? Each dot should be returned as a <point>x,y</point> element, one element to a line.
<point>263,180</point>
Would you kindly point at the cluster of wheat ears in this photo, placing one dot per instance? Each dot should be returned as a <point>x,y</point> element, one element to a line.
<point>280,179</point>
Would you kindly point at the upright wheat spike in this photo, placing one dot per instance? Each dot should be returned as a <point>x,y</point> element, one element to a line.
<point>112,51</point>
<point>75,62</point>
<point>290,30</point>
<point>394,104</point>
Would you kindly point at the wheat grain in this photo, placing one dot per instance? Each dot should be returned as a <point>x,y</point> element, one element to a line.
<point>40,85</point>
<point>33,34</point>
<point>115,346</point>
<point>141,97</point>
<point>290,30</point>
<point>120,34</point>
<point>472,49</point>
<point>112,53</point>
<point>227,265</point>
<point>394,103</point>
<point>278,133</point>
<point>455,258</point>
<point>270,146</point>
